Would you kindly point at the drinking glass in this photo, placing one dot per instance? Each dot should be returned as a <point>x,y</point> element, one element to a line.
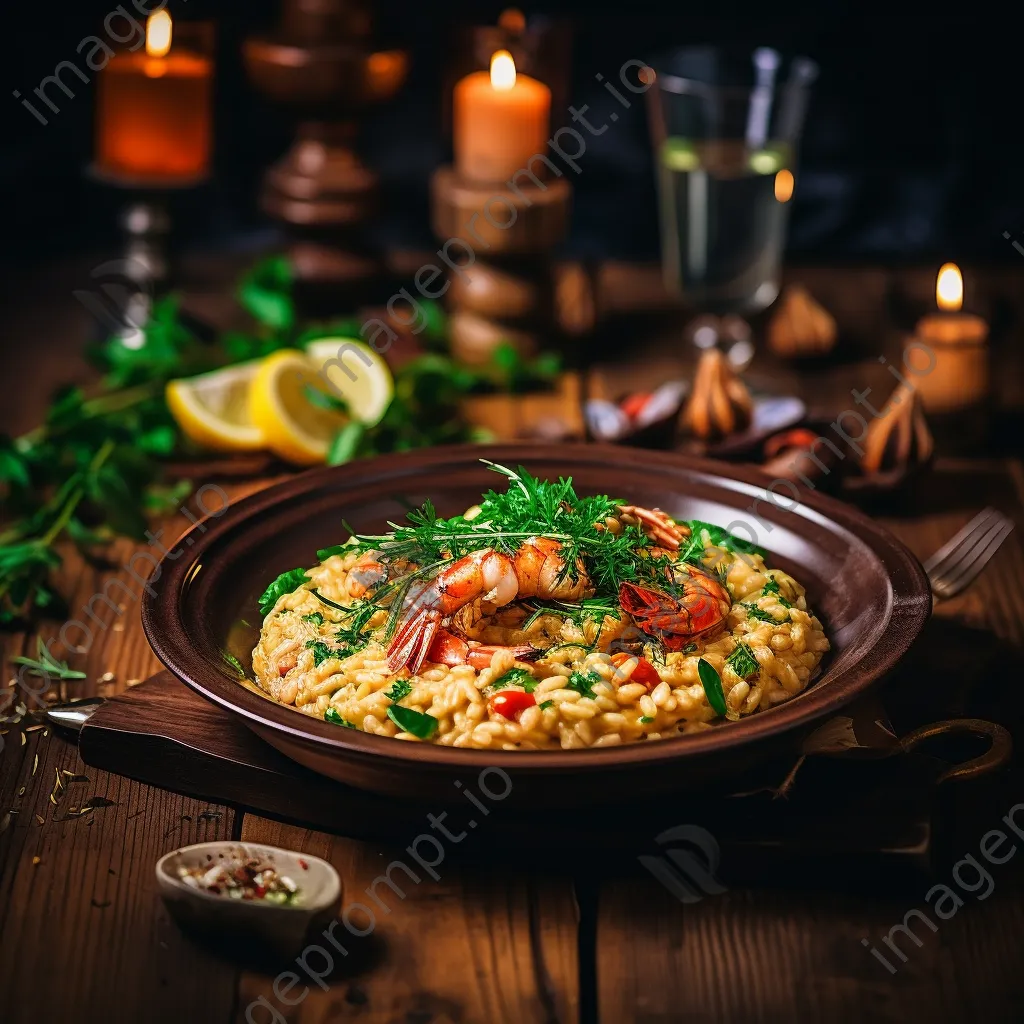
<point>725,133</point>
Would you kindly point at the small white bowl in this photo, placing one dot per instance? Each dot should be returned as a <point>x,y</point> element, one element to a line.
<point>278,927</point>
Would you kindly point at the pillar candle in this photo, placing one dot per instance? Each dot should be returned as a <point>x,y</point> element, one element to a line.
<point>500,121</point>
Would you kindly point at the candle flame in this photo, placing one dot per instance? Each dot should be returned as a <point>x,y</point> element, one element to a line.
<point>158,34</point>
<point>784,185</point>
<point>949,288</point>
<point>503,71</point>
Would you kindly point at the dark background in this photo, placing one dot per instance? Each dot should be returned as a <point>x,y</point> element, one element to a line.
<point>913,151</point>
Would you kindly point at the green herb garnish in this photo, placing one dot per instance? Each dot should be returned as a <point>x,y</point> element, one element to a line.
<point>754,612</point>
<point>337,549</point>
<point>646,720</point>
<point>323,650</point>
<point>712,683</point>
<point>546,704</point>
<point>327,601</point>
<point>706,535</point>
<point>583,683</point>
<point>400,689</point>
<point>46,666</point>
<point>690,648</point>
<point>772,587</point>
<point>333,716</point>
<point>230,659</point>
<point>743,662</point>
<point>315,617</point>
<point>516,677</point>
<point>284,584</point>
<point>413,722</point>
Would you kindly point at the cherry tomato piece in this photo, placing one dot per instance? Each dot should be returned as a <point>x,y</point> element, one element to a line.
<point>509,703</point>
<point>643,672</point>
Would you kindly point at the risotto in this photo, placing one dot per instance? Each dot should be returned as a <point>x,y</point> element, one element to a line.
<point>537,619</point>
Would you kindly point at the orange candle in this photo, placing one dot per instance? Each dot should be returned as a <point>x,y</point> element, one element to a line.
<point>500,121</point>
<point>952,324</point>
<point>956,373</point>
<point>153,110</point>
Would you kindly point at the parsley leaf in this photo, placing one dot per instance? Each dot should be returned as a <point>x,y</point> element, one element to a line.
<point>400,689</point>
<point>705,535</point>
<point>646,720</point>
<point>314,617</point>
<point>772,587</point>
<point>743,662</point>
<point>516,677</point>
<point>546,704</point>
<point>413,722</point>
<point>583,683</point>
<point>333,716</point>
<point>284,584</point>
<point>322,651</point>
<point>712,683</point>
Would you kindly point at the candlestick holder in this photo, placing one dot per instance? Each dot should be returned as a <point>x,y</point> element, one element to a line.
<point>506,291</point>
<point>320,64</point>
<point>126,285</point>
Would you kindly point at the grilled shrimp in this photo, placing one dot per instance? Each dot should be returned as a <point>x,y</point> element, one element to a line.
<point>537,569</point>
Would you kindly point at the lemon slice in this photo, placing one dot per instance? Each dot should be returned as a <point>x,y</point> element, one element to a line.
<point>295,425</point>
<point>213,408</point>
<point>357,375</point>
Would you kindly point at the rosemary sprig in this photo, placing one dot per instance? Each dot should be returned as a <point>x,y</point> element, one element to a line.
<point>46,666</point>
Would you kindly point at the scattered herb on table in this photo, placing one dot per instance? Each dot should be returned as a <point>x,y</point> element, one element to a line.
<point>413,722</point>
<point>712,683</point>
<point>45,665</point>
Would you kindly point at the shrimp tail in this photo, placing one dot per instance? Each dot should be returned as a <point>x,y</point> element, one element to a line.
<point>413,639</point>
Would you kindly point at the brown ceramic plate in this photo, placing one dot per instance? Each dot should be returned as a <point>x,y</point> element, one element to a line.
<point>868,589</point>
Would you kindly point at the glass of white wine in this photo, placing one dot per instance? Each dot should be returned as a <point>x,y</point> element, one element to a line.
<point>725,130</point>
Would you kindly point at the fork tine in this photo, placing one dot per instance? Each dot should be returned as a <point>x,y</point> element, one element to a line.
<point>968,549</point>
<point>950,547</point>
<point>967,573</point>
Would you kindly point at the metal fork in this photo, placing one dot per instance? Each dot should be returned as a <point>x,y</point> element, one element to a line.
<point>957,564</point>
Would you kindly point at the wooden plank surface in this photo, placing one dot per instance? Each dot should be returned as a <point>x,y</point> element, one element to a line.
<point>83,933</point>
<point>469,947</point>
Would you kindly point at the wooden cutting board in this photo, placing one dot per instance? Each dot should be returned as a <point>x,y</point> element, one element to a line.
<point>857,816</point>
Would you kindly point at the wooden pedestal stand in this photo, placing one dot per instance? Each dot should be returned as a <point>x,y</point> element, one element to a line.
<point>320,63</point>
<point>506,291</point>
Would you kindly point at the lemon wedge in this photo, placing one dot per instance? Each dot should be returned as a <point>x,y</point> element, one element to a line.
<point>213,408</point>
<point>356,374</point>
<point>284,404</point>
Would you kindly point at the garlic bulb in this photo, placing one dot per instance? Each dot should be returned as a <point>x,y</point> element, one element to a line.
<point>801,326</point>
<point>720,403</point>
<point>899,438</point>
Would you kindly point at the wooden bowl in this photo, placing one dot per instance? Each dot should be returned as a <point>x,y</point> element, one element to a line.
<point>869,590</point>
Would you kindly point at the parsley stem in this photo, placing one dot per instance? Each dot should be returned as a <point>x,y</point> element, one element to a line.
<point>116,401</point>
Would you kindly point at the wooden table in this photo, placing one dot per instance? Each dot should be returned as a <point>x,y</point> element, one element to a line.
<point>84,936</point>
